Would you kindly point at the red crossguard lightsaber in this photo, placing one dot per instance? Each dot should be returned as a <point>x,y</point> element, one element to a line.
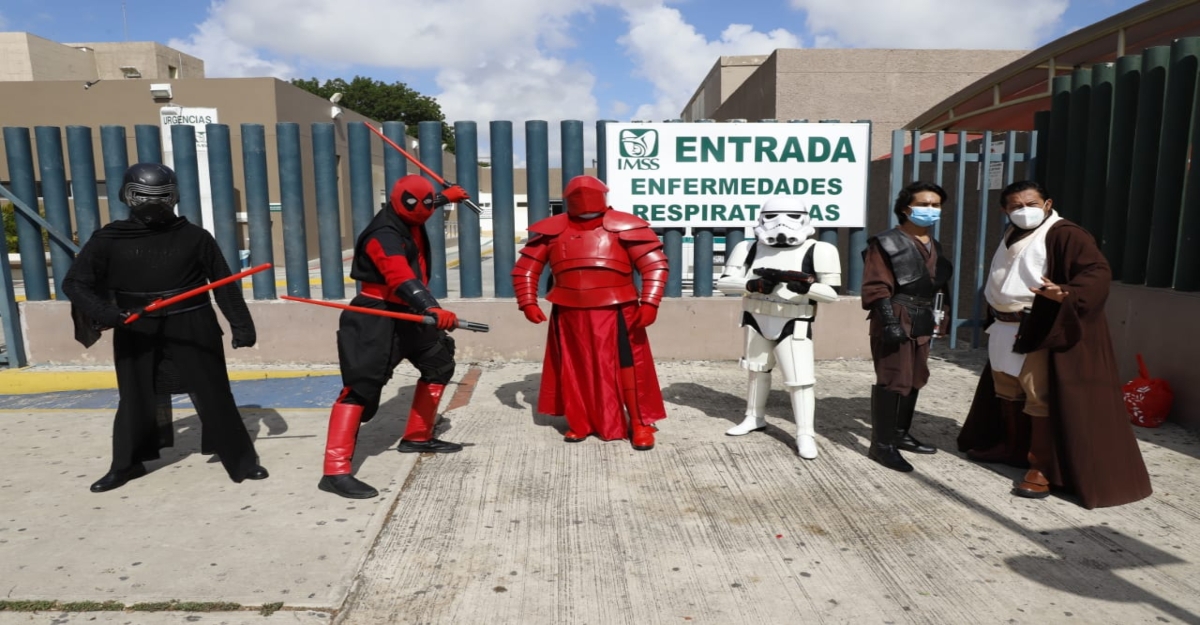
<point>429,321</point>
<point>174,299</point>
<point>429,172</point>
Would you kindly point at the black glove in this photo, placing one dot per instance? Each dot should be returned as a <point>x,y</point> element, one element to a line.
<point>243,338</point>
<point>798,286</point>
<point>111,317</point>
<point>761,285</point>
<point>893,332</point>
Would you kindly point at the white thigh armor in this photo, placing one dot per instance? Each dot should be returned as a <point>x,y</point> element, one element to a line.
<point>794,355</point>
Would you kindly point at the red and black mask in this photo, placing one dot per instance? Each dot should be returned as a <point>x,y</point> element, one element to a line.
<point>413,199</point>
<point>586,197</point>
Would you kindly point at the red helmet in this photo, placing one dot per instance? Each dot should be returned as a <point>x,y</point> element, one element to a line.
<point>586,197</point>
<point>413,199</point>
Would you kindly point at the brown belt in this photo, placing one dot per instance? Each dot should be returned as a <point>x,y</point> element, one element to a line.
<point>1013,317</point>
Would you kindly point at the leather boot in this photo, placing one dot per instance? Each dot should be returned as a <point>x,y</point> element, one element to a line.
<point>804,408</point>
<point>756,405</point>
<point>904,417</point>
<point>344,420</point>
<point>418,435</point>
<point>1035,485</point>
<point>883,430</point>
<point>117,479</point>
<point>1013,449</point>
<point>640,435</point>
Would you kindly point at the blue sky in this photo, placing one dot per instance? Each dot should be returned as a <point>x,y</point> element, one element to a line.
<point>541,59</point>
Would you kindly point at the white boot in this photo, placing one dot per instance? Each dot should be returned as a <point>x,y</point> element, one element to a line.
<point>756,405</point>
<point>804,406</point>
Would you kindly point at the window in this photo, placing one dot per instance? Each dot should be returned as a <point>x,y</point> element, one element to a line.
<point>172,71</point>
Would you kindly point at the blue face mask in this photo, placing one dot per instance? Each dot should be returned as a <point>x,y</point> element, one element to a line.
<point>924,216</point>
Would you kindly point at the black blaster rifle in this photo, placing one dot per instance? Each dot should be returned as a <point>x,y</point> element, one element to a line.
<point>783,276</point>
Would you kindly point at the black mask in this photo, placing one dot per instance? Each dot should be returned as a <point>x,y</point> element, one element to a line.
<point>152,214</point>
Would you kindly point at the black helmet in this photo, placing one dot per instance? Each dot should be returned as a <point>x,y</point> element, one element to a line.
<point>150,183</point>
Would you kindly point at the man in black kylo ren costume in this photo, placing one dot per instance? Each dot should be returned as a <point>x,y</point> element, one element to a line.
<point>177,349</point>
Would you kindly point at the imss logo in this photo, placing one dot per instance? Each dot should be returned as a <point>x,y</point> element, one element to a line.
<point>639,149</point>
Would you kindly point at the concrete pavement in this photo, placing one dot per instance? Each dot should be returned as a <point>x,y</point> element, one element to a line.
<point>522,528</point>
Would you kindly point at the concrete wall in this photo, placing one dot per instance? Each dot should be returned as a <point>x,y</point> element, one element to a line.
<point>1160,325</point>
<point>53,61</point>
<point>290,332</point>
<point>14,49</point>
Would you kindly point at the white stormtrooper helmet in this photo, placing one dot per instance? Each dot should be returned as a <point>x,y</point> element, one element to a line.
<point>783,222</point>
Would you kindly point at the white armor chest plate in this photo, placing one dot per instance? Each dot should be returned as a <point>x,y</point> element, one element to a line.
<point>773,310</point>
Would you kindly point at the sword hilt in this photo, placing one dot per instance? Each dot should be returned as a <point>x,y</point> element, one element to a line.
<point>463,324</point>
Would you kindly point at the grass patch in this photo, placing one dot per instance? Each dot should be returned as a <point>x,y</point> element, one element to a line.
<point>27,606</point>
<point>175,605</point>
<point>92,606</point>
<point>268,609</point>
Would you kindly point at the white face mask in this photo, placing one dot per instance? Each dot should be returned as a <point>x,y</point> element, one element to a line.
<point>1028,217</point>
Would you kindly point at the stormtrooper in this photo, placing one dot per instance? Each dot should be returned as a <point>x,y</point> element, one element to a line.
<point>781,275</point>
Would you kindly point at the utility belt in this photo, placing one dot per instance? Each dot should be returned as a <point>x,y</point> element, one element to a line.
<point>133,300</point>
<point>378,291</point>
<point>1011,317</point>
<point>920,312</point>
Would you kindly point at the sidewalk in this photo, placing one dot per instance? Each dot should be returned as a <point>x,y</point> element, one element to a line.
<point>522,528</point>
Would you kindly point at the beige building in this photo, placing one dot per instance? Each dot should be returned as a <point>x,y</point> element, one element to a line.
<point>27,57</point>
<point>887,87</point>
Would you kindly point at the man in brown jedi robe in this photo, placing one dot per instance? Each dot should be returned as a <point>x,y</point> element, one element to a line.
<point>1049,397</point>
<point>903,270</point>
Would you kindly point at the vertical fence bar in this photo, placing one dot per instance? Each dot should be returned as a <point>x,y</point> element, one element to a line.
<point>1057,145</point>
<point>504,233</point>
<point>1187,260</point>
<point>56,206</point>
<point>1172,161</point>
<point>702,266</point>
<point>148,138</point>
<point>187,172</point>
<point>673,246</point>
<point>429,136</point>
<point>858,236</point>
<point>224,198</point>
<point>897,181</point>
<point>572,151</point>
<point>960,160</point>
<point>83,181</point>
<point>985,163</point>
<point>362,195</point>
<point>1096,164</point>
<point>13,355</point>
<point>470,255</point>
<point>1120,161</point>
<point>1041,126</point>
<point>915,174</point>
<point>602,149</point>
<point>116,161</point>
<point>1146,141</point>
<point>258,208</point>
<point>19,151</point>
<point>938,164</point>
<point>291,196</point>
<point>733,236</point>
<point>329,212</point>
<point>537,177</point>
<point>1070,203</point>
<point>395,166</point>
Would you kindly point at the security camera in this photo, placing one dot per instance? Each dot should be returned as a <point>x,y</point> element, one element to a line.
<point>88,85</point>
<point>335,98</point>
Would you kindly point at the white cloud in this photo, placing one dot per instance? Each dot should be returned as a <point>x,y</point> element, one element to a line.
<point>226,58</point>
<point>669,53</point>
<point>970,24</point>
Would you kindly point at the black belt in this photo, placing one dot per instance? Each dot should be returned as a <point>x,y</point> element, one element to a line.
<point>1012,317</point>
<point>909,300</point>
<point>133,300</point>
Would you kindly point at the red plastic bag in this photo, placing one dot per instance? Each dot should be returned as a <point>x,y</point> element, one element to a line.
<point>1147,400</point>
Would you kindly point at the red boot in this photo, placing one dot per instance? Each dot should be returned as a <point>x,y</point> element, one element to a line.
<point>418,435</point>
<point>344,420</point>
<point>641,435</point>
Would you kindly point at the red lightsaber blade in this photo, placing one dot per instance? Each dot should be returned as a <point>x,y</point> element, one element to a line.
<point>174,299</point>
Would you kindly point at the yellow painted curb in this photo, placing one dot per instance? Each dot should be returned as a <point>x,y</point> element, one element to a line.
<point>30,382</point>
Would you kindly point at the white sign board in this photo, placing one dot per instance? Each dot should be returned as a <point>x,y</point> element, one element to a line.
<point>995,167</point>
<point>719,174</point>
<point>197,118</point>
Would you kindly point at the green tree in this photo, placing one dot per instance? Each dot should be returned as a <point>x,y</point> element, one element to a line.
<point>383,102</point>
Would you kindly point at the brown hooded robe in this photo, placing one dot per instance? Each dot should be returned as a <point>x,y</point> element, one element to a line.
<point>1097,454</point>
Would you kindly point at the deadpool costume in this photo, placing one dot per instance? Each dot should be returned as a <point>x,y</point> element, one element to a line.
<point>598,363</point>
<point>391,260</point>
